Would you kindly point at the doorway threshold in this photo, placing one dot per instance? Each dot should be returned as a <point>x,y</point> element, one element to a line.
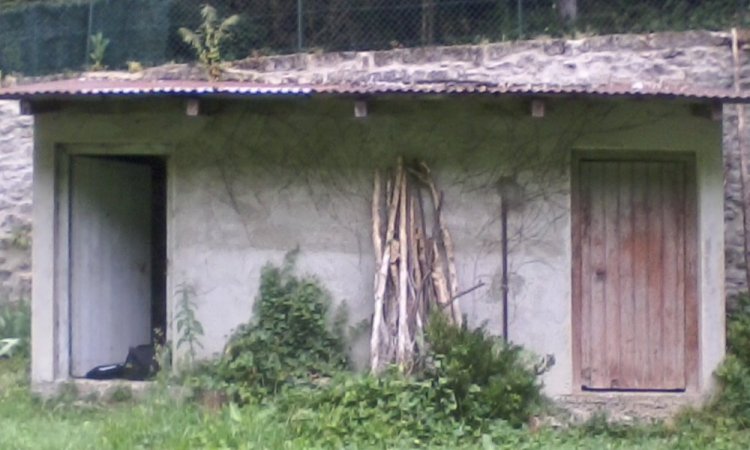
<point>104,390</point>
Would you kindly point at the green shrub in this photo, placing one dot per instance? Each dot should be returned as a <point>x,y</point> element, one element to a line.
<point>471,381</point>
<point>293,357</point>
<point>15,328</point>
<point>291,340</point>
<point>738,330</point>
<point>369,409</point>
<point>733,399</point>
<point>489,378</point>
<point>734,391</point>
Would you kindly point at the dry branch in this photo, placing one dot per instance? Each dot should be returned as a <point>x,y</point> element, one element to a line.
<point>377,225</point>
<point>415,268</point>
<point>402,352</point>
<point>381,284</point>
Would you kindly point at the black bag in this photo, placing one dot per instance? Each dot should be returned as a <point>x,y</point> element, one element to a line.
<point>140,363</point>
<point>106,372</point>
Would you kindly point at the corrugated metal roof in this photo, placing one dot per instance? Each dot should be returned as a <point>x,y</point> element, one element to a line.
<point>71,89</point>
<point>97,88</point>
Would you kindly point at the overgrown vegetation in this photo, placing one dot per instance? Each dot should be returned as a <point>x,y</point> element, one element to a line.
<point>293,356</point>
<point>472,382</point>
<point>488,378</point>
<point>292,340</point>
<point>473,391</point>
<point>165,423</point>
<point>733,399</point>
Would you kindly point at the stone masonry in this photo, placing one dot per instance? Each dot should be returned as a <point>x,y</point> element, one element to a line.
<point>693,59</point>
<point>15,202</point>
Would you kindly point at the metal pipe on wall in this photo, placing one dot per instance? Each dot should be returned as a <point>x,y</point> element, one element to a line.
<point>511,196</point>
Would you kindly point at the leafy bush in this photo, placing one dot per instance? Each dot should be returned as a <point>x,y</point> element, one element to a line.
<point>371,410</point>
<point>734,393</point>
<point>15,328</point>
<point>472,380</point>
<point>489,378</point>
<point>733,399</point>
<point>291,340</point>
<point>294,353</point>
<point>738,330</point>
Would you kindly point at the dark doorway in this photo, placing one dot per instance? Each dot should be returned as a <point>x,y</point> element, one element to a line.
<point>117,257</point>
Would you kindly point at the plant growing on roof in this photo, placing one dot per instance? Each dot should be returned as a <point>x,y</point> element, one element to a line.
<point>99,46</point>
<point>207,39</point>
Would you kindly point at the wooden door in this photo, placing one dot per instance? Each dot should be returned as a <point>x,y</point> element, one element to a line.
<point>634,292</point>
<point>110,260</point>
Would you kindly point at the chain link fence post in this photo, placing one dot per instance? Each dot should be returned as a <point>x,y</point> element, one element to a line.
<point>300,26</point>
<point>89,28</point>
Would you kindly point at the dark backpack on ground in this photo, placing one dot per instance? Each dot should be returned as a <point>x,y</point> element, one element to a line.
<point>140,363</point>
<point>105,372</point>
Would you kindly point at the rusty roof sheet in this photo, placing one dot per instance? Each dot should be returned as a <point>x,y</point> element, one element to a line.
<point>83,88</point>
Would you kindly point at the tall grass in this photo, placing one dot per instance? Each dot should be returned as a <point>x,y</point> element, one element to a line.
<point>162,422</point>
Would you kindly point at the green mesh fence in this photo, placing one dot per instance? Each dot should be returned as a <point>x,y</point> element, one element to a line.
<point>42,37</point>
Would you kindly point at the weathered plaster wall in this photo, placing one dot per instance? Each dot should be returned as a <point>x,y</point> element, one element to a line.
<point>251,180</point>
<point>15,202</point>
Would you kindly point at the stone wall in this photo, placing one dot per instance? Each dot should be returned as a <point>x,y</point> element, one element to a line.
<point>15,202</point>
<point>733,217</point>
<point>697,59</point>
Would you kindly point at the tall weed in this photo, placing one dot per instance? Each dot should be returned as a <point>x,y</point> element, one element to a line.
<point>15,328</point>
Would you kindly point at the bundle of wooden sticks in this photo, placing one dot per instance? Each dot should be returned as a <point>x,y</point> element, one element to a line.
<point>415,267</point>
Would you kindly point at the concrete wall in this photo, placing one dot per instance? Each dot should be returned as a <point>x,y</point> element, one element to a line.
<point>250,180</point>
<point>15,202</point>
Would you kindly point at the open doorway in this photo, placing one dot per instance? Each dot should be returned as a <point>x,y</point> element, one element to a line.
<point>117,251</point>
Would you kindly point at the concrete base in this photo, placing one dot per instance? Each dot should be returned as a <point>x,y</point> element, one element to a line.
<point>95,390</point>
<point>624,407</point>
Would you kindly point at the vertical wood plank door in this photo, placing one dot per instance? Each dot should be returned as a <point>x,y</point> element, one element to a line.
<point>632,275</point>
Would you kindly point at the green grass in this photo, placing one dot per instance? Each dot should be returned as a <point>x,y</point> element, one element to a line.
<point>161,422</point>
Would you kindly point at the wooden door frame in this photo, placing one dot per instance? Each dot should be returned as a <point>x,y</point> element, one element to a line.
<point>692,296</point>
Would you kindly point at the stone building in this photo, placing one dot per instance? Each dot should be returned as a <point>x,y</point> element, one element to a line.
<point>151,181</point>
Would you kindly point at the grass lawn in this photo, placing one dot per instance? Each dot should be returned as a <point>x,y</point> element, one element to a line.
<point>163,423</point>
